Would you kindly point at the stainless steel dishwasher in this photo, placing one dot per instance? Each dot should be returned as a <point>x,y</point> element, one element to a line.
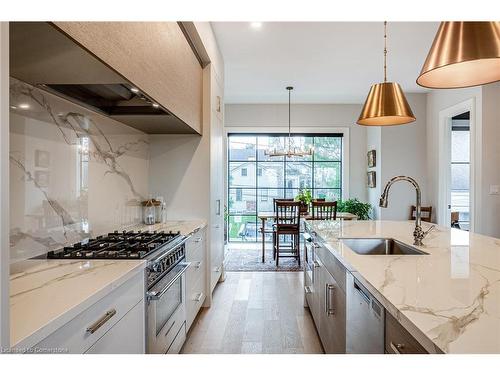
<point>365,318</point>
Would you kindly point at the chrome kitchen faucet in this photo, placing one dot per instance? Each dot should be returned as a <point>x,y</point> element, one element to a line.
<point>418,233</point>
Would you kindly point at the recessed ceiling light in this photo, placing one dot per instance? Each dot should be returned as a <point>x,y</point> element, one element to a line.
<point>256,25</point>
<point>24,105</point>
<point>134,90</point>
<point>156,105</point>
<point>13,107</point>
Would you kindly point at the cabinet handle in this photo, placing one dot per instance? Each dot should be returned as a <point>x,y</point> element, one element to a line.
<point>94,327</point>
<point>316,264</point>
<point>307,290</point>
<point>218,103</point>
<point>329,290</point>
<point>218,207</point>
<point>197,265</point>
<point>199,297</point>
<point>198,239</point>
<point>396,348</point>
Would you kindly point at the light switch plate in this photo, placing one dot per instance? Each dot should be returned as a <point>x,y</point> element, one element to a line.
<point>494,189</point>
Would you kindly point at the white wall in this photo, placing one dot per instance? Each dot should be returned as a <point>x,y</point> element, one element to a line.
<point>374,142</point>
<point>437,101</point>
<point>403,153</point>
<point>314,116</point>
<point>180,171</point>
<point>4,185</point>
<point>490,175</point>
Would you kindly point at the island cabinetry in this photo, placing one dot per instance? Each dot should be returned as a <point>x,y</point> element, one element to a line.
<point>196,275</point>
<point>114,324</point>
<point>398,340</point>
<point>325,295</point>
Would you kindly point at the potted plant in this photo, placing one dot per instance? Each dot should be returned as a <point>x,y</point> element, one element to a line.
<point>305,198</point>
<point>354,206</point>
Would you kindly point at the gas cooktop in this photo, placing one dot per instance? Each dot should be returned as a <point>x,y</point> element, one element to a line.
<point>118,245</point>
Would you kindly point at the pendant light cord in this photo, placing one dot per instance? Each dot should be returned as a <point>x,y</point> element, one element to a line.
<point>289,121</point>
<point>385,51</point>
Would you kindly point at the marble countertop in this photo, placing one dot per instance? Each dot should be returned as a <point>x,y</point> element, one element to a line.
<point>186,227</point>
<point>449,300</point>
<point>46,294</point>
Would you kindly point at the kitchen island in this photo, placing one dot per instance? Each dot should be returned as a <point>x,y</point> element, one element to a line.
<point>449,299</point>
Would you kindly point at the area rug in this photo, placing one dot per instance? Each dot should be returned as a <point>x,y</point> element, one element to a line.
<point>250,259</point>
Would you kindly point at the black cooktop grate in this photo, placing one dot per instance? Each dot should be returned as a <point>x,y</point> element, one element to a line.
<point>116,245</point>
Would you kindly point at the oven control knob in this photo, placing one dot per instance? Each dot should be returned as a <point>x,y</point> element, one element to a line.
<point>157,267</point>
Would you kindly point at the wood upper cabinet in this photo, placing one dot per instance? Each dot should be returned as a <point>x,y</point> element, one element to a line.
<point>154,56</point>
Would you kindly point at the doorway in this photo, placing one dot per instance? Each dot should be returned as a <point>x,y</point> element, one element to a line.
<point>459,188</point>
<point>458,152</point>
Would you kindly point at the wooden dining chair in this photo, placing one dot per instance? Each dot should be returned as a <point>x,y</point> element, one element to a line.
<point>287,223</point>
<point>280,199</point>
<point>324,210</point>
<point>426,213</point>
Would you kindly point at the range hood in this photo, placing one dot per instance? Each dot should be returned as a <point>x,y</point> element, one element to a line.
<point>44,57</point>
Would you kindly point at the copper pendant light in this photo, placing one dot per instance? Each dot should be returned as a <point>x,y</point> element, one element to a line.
<point>386,103</point>
<point>463,54</point>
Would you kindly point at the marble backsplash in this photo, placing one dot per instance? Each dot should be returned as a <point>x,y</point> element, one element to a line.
<point>73,173</point>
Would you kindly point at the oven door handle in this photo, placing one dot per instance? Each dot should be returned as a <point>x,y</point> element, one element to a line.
<point>154,295</point>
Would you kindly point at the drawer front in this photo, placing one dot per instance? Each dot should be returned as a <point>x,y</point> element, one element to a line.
<point>334,267</point>
<point>215,274</point>
<point>195,272</point>
<point>195,246</point>
<point>308,288</point>
<point>164,338</point>
<point>398,340</point>
<point>100,317</point>
<point>176,346</point>
<point>125,337</point>
<point>194,300</point>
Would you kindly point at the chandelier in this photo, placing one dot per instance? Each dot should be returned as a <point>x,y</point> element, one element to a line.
<point>291,150</point>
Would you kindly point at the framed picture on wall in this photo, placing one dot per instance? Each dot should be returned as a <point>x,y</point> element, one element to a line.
<point>42,178</point>
<point>372,158</point>
<point>371,179</point>
<point>42,159</point>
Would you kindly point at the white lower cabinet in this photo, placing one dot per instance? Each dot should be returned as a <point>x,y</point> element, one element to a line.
<point>125,337</point>
<point>196,275</point>
<point>114,324</point>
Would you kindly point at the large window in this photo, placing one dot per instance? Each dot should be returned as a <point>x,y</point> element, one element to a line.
<point>255,179</point>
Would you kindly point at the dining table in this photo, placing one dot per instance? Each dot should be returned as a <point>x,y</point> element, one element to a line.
<point>264,216</point>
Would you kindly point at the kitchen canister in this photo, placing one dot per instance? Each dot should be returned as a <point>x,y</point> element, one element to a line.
<point>149,211</point>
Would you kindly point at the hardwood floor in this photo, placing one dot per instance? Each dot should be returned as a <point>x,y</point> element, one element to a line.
<point>255,312</point>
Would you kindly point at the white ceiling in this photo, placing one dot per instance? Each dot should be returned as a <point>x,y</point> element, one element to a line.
<point>326,62</point>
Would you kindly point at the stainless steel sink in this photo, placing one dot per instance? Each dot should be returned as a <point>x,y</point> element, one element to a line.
<point>380,246</point>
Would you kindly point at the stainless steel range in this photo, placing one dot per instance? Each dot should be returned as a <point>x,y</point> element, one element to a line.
<point>165,280</point>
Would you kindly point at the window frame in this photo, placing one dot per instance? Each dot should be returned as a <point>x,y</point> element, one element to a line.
<point>342,191</point>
